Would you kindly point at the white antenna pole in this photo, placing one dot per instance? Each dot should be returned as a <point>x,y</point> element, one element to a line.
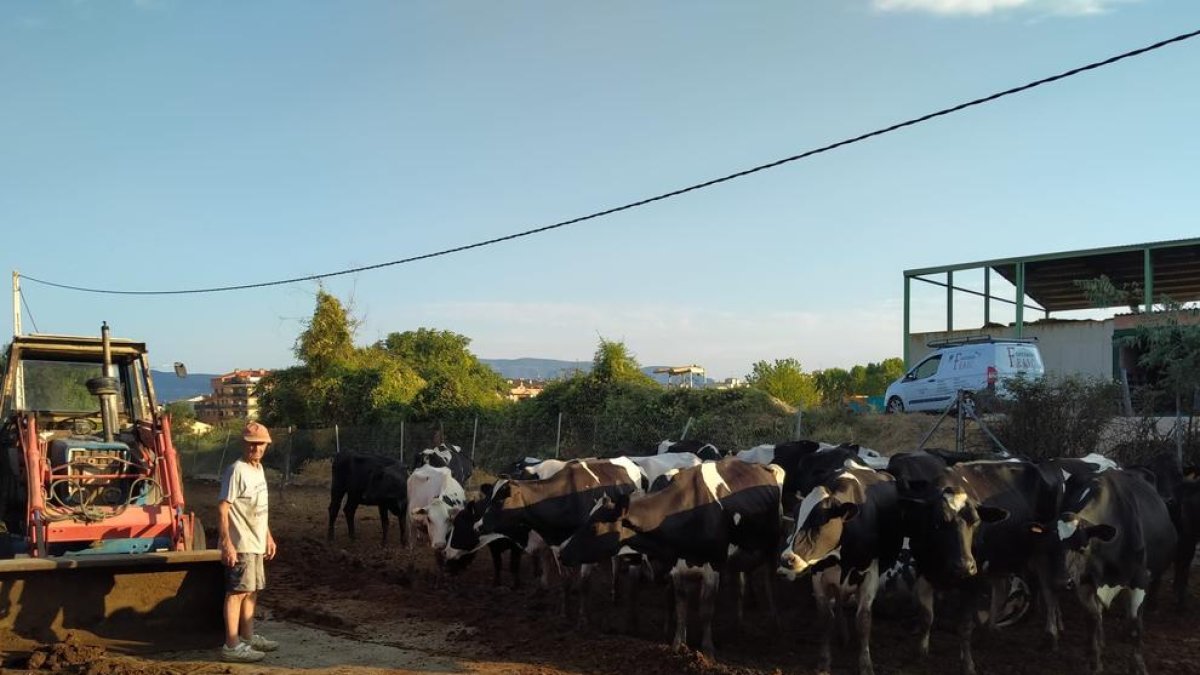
<point>16,285</point>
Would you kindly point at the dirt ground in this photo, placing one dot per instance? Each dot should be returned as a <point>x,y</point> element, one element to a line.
<point>359,608</point>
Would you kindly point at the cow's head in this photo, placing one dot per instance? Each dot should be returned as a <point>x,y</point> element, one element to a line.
<point>943,524</point>
<point>464,537</point>
<point>437,517</point>
<point>507,496</point>
<point>1076,533</point>
<point>601,536</point>
<point>816,539</point>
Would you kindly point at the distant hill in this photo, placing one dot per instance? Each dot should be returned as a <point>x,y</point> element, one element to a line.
<point>551,369</point>
<point>168,387</point>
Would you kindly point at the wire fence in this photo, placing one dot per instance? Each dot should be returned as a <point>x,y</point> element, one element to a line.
<point>492,442</point>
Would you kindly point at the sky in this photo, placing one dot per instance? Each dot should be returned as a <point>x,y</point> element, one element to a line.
<point>174,144</point>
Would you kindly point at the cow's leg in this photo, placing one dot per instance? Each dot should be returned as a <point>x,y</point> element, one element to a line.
<point>399,508</point>
<point>1183,566</point>
<point>1053,612</point>
<point>408,529</point>
<point>383,520</point>
<point>969,597</point>
<point>497,562</point>
<point>998,588</point>
<point>348,511</point>
<point>825,586</point>
<point>710,583</point>
<point>1093,609</point>
<point>585,582</point>
<point>739,590</point>
<point>679,584</point>
<point>925,609</point>
<point>769,595</point>
<point>615,567</point>
<point>633,576</point>
<point>866,597</point>
<point>335,505</point>
<point>514,566</point>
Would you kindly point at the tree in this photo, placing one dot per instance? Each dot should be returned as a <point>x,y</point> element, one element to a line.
<point>613,362</point>
<point>835,384</point>
<point>1170,348</point>
<point>453,377</point>
<point>328,337</point>
<point>786,380</point>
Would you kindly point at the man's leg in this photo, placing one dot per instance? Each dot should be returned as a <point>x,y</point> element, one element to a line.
<point>246,626</point>
<point>233,612</point>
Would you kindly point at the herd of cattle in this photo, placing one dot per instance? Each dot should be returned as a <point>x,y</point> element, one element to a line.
<point>998,533</point>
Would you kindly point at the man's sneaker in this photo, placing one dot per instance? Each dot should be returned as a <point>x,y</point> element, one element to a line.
<point>242,653</point>
<point>262,644</point>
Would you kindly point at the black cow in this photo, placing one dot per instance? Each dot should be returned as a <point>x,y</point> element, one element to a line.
<point>709,518</point>
<point>980,523</point>
<point>705,451</point>
<point>464,541</point>
<point>371,480</point>
<point>557,506</point>
<point>846,532</point>
<point>1119,536</point>
<point>450,456</point>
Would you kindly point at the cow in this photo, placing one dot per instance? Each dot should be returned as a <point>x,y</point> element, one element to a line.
<point>1119,537</point>
<point>449,456</point>
<point>371,480</point>
<point>709,518</point>
<point>655,467</point>
<point>434,498</point>
<point>977,524</point>
<point>705,451</point>
<point>464,541</point>
<point>1179,489</point>
<point>846,531</point>
<point>557,506</point>
<point>789,456</point>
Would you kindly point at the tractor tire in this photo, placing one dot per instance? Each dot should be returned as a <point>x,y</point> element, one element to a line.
<point>199,540</point>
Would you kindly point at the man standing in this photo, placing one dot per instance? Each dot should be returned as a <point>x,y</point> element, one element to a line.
<point>245,541</point>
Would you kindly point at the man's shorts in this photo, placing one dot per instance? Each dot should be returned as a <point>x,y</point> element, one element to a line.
<point>247,575</point>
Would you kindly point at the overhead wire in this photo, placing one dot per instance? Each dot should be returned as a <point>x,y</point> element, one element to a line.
<point>657,198</point>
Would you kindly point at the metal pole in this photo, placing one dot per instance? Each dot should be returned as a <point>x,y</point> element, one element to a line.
<point>16,291</point>
<point>907,302</point>
<point>686,426</point>
<point>798,432</point>
<point>337,441</point>
<point>1020,323</point>
<point>474,433</point>
<point>287,460</point>
<point>558,436</point>
<point>1148,280</point>
<point>950,301</point>
<point>401,440</point>
<point>959,427</point>
<point>987,295</point>
<point>221,468</point>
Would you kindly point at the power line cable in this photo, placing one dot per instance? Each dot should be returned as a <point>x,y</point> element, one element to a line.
<point>650,200</point>
<point>29,311</point>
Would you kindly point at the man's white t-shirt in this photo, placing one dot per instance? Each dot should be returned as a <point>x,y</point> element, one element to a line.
<point>245,488</point>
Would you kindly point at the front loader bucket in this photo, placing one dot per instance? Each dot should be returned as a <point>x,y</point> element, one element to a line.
<point>129,603</point>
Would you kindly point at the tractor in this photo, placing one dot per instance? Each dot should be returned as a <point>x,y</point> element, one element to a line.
<point>96,539</point>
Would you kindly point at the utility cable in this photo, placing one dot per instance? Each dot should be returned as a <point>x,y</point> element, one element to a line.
<point>29,311</point>
<point>650,200</point>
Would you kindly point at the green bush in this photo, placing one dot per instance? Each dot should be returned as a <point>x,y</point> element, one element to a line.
<point>1056,416</point>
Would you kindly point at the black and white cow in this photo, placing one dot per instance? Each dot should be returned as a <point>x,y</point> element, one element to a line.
<point>557,506</point>
<point>802,469</point>
<point>449,456</point>
<point>371,480</point>
<point>1119,537</point>
<point>976,525</point>
<point>464,541</point>
<point>1181,492</point>
<point>846,531</point>
<point>705,451</point>
<point>709,518</point>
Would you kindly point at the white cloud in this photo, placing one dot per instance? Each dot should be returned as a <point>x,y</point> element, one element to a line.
<point>725,342</point>
<point>986,7</point>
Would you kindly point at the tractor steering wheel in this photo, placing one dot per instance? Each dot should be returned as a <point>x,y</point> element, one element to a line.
<point>79,425</point>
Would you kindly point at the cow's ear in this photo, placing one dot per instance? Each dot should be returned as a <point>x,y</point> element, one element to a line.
<point>1105,533</point>
<point>992,514</point>
<point>486,490</point>
<point>846,511</point>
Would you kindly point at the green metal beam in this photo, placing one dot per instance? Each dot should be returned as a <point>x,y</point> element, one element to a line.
<point>1020,323</point>
<point>949,301</point>
<point>970,291</point>
<point>1083,253</point>
<point>1148,280</point>
<point>907,299</point>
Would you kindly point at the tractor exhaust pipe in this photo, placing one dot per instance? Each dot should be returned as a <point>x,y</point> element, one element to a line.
<point>106,388</point>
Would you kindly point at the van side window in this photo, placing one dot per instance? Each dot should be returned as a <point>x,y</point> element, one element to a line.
<point>928,368</point>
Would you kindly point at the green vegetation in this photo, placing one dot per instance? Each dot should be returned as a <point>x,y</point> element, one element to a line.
<point>786,380</point>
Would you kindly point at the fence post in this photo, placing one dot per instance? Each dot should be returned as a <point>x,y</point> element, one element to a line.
<point>402,442</point>
<point>337,441</point>
<point>798,431</point>
<point>558,435</point>
<point>287,460</point>
<point>474,433</point>
<point>686,426</point>
<point>221,468</point>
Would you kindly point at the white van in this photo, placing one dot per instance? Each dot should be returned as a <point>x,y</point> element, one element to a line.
<point>973,364</point>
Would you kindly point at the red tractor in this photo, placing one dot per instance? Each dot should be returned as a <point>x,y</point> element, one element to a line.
<point>95,535</point>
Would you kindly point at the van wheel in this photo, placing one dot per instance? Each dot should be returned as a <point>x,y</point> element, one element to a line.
<point>895,405</point>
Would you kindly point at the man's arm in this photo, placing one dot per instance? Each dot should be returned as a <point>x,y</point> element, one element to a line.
<point>228,552</point>
<point>270,545</point>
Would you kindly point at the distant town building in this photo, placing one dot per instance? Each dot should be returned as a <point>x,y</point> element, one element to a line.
<point>233,397</point>
<point>730,383</point>
<point>682,376</point>
<point>521,389</point>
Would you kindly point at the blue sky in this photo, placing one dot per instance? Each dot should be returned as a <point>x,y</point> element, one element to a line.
<point>233,142</point>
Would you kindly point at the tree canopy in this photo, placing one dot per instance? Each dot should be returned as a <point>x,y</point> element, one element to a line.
<point>786,380</point>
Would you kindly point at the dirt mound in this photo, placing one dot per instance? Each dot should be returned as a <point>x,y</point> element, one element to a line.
<point>72,656</point>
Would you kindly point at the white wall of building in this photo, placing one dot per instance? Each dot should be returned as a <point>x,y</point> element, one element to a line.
<point>1067,347</point>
